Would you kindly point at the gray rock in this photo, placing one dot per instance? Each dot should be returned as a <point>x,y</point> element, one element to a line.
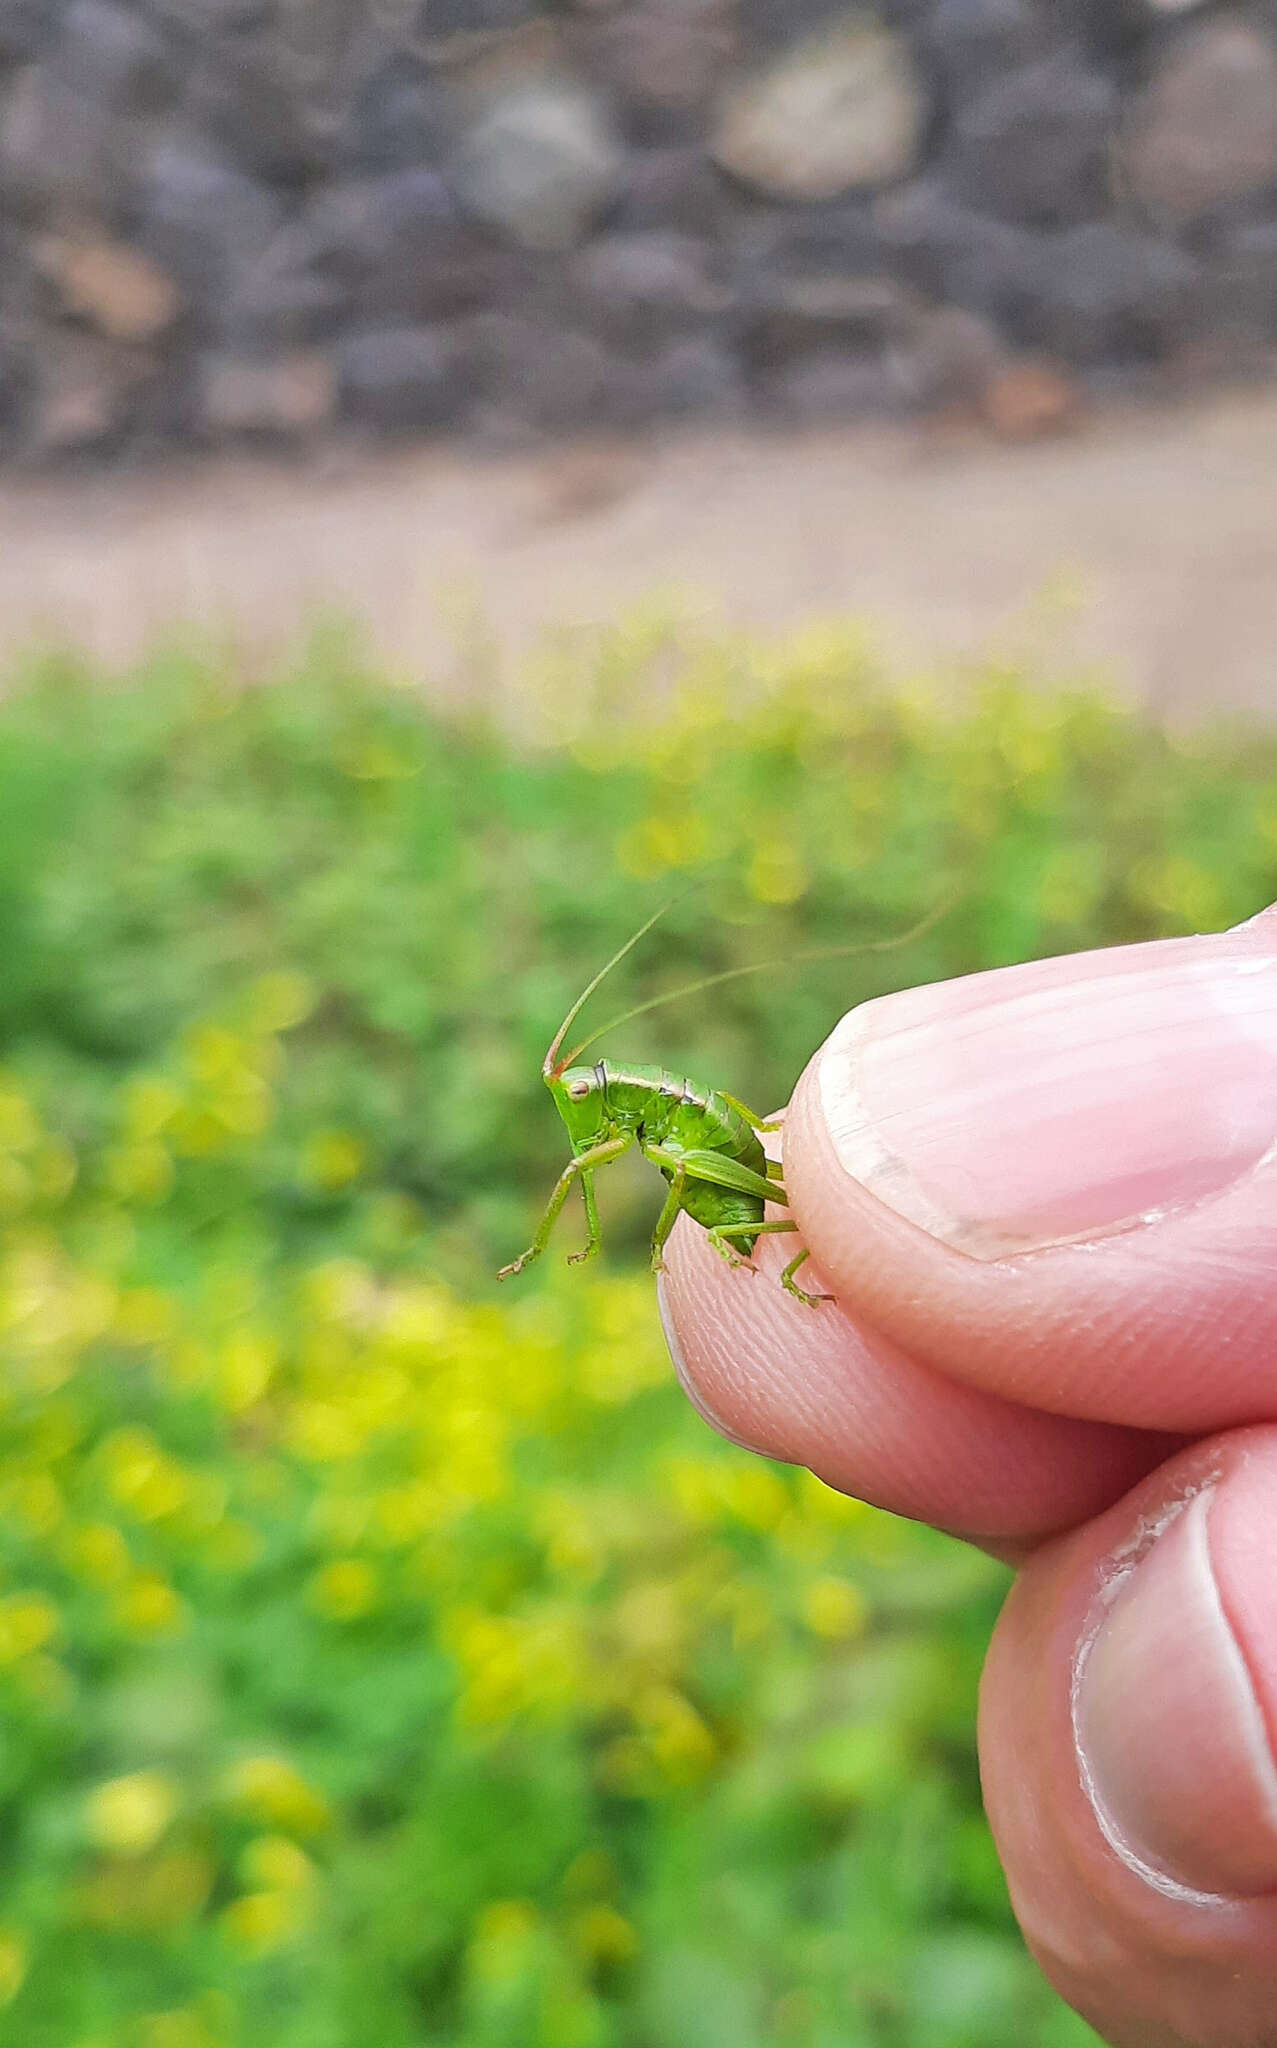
<point>1033,146</point>
<point>968,43</point>
<point>212,17</point>
<point>400,377</point>
<point>660,64</point>
<point>1204,130</point>
<point>826,314</point>
<point>402,116</point>
<point>672,188</point>
<point>248,97</point>
<point>540,165</point>
<point>840,109</point>
<point>111,56</point>
<point>1107,292</point>
<point>12,392</point>
<point>532,374</point>
<point>696,376</point>
<point>949,358</point>
<point>397,248</point>
<point>58,151</point>
<point>834,386</point>
<point>640,288</point>
<point>27,27</point>
<point>776,23</point>
<point>957,256</point>
<point>279,300</point>
<point>832,240</point>
<point>353,224</point>
<point>200,219</point>
<point>289,396</point>
<point>84,394</point>
<point>422,262</point>
<point>450,29</point>
<point>1241,280</point>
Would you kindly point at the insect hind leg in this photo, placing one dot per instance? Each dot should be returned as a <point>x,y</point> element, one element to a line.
<point>791,1286</point>
<point>722,1231</point>
<point>666,1220</point>
<point>759,1123</point>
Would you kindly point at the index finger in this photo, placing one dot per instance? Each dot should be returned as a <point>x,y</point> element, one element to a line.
<point>1058,1183</point>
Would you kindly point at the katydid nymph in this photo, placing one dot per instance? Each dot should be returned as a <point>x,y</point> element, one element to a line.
<point>706,1143</point>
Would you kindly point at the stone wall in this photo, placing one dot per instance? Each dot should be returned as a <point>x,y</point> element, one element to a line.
<point>227,218</point>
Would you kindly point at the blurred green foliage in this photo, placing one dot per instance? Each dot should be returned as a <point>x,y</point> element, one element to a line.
<point>386,1662</point>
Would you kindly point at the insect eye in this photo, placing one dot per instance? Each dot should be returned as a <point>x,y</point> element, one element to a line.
<point>579,1090</point>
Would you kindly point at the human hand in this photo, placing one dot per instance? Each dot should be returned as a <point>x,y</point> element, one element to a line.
<point>1045,1200</point>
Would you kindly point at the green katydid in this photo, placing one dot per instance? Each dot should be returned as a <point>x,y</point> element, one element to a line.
<point>705,1142</point>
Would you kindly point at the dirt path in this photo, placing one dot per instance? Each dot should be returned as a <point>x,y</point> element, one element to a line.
<point>1162,526</point>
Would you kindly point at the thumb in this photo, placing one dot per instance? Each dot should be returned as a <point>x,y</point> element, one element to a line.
<point>1128,1715</point>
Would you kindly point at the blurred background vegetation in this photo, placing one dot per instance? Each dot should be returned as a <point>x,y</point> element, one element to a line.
<point>386,1660</point>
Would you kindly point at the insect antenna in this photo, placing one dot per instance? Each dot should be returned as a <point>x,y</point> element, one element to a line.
<point>552,1065</point>
<point>695,988</point>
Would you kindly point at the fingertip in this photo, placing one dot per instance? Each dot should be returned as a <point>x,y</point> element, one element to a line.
<point>816,1387</point>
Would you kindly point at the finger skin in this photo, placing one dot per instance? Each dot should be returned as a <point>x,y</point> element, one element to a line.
<point>1149,1966</point>
<point>818,1387</point>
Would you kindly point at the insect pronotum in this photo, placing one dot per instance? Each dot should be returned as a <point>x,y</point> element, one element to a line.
<point>705,1142</point>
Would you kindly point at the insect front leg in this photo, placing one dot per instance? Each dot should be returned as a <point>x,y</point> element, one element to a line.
<point>584,1163</point>
<point>593,1234</point>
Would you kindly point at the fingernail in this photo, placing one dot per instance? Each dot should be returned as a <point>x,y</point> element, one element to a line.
<point>1172,1741</point>
<point>1063,1100</point>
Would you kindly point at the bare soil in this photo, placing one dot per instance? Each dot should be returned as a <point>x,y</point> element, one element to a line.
<point>1145,543</point>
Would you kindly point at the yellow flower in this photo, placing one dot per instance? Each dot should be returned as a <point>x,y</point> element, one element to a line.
<point>263,1922</point>
<point>142,1476</point>
<point>502,1937</point>
<point>247,1365</point>
<point>150,1105</point>
<point>280,1001</point>
<point>678,1740</point>
<point>331,1160</point>
<point>834,1608</point>
<point>273,1863</point>
<point>777,873</point>
<point>139,1172</point>
<point>148,1606</point>
<point>53,1170</point>
<point>187,2027</point>
<point>27,1622</point>
<point>345,1590</point>
<point>144,1315</point>
<point>129,1815</point>
<point>606,1937</point>
<point>19,1124</point>
<point>13,1964</point>
<point>270,1789</point>
<point>35,1501</point>
<point>97,1553</point>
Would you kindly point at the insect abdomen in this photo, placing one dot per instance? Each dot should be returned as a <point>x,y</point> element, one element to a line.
<point>680,1117</point>
<point>713,1207</point>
